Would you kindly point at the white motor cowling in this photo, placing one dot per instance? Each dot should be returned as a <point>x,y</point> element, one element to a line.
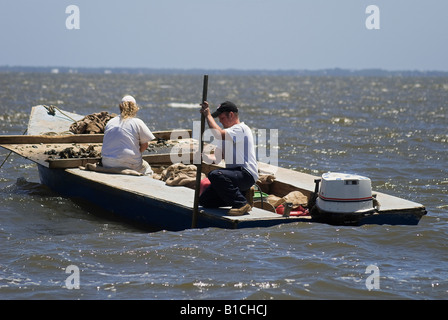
<point>345,193</point>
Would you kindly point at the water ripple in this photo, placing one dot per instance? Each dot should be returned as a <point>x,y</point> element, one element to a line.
<point>391,129</point>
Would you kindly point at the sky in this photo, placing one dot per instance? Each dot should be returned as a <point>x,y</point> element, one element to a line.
<point>226,34</point>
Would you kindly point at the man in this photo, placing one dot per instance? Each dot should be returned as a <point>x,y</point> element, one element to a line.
<point>125,139</point>
<point>241,171</point>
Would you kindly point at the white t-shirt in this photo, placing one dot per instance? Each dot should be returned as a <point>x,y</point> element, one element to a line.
<point>243,149</point>
<point>121,142</point>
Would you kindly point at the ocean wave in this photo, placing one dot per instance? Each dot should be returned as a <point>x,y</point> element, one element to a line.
<point>24,187</point>
<point>183,105</point>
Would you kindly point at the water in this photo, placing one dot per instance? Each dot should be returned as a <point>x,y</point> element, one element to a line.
<point>391,128</point>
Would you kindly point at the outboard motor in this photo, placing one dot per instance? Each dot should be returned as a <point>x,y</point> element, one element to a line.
<point>343,198</point>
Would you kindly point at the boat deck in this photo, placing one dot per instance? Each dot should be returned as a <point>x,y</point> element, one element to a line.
<point>306,182</point>
<point>181,196</point>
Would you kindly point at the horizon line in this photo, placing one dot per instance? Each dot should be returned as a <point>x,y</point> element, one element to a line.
<point>148,70</point>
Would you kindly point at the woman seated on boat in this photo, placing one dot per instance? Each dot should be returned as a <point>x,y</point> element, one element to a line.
<point>125,139</point>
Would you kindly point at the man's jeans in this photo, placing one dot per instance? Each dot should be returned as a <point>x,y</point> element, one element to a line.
<point>227,188</point>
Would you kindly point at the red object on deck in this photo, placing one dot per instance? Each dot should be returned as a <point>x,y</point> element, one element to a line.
<point>204,185</point>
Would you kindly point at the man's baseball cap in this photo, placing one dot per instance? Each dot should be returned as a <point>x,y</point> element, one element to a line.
<point>226,106</point>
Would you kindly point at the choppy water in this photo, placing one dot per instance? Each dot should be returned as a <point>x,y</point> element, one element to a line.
<point>392,129</point>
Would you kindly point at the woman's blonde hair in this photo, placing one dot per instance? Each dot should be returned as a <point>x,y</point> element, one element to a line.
<point>128,109</point>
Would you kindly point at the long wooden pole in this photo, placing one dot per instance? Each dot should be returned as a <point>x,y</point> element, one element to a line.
<point>199,165</point>
<point>76,138</point>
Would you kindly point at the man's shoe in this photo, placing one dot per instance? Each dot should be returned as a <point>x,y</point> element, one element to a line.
<point>239,211</point>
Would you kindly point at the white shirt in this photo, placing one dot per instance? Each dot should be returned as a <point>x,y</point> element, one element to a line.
<point>121,142</point>
<point>243,147</point>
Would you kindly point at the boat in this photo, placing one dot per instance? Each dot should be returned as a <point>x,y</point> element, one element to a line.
<point>153,204</point>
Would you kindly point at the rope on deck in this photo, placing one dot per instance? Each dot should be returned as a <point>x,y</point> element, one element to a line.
<point>52,111</point>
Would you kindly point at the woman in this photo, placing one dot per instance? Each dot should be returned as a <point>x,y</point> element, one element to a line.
<point>125,139</point>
